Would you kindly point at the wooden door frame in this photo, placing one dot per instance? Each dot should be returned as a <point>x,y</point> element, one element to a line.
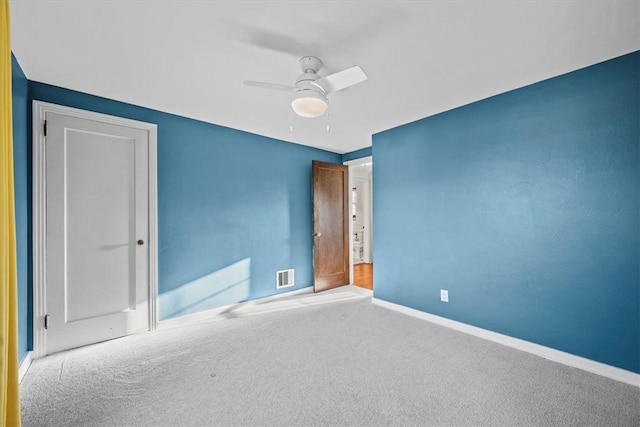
<point>39,186</point>
<point>350,164</point>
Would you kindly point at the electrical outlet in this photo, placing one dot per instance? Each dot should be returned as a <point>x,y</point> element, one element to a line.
<point>444,295</point>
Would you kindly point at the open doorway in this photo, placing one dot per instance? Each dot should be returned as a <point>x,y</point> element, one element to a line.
<point>361,221</point>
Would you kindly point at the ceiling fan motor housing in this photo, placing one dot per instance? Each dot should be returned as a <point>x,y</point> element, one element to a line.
<point>304,89</point>
<point>310,66</point>
<point>304,83</point>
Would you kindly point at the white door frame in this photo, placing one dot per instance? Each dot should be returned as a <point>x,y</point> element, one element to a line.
<point>40,109</point>
<point>350,163</point>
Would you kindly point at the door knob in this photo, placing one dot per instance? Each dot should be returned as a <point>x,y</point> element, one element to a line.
<point>140,242</point>
<point>317,234</point>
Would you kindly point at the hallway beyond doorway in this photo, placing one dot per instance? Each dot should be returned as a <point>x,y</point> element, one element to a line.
<point>363,275</point>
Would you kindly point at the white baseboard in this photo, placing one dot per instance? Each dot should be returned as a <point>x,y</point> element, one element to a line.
<point>24,366</point>
<point>214,313</point>
<point>588,365</point>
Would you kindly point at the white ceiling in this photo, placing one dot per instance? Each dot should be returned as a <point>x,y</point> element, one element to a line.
<point>191,57</point>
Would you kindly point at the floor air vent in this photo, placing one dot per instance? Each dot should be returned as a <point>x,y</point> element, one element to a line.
<point>284,278</point>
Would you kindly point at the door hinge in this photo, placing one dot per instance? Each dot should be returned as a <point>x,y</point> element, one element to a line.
<point>45,128</point>
<point>46,321</point>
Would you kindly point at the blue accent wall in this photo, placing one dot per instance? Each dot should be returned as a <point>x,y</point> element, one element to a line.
<point>526,207</point>
<point>233,207</point>
<point>22,180</point>
<point>358,154</point>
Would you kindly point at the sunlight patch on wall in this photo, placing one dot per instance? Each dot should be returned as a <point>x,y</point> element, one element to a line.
<point>229,285</point>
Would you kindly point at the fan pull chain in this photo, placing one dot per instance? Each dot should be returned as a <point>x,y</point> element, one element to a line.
<point>290,119</point>
<point>328,122</point>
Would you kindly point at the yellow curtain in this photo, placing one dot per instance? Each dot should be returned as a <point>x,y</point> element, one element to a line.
<point>9,394</point>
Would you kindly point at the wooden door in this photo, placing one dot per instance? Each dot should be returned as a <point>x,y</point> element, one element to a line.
<point>330,226</point>
<point>97,231</point>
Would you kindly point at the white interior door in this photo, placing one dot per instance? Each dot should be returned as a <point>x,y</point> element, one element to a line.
<point>97,222</point>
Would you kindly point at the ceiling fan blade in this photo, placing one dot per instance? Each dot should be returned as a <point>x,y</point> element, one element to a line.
<point>269,85</point>
<point>341,80</point>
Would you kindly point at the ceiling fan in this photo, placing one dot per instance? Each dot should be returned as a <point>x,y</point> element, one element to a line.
<point>310,90</point>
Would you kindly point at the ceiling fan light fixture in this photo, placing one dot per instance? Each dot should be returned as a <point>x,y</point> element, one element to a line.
<point>309,103</point>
